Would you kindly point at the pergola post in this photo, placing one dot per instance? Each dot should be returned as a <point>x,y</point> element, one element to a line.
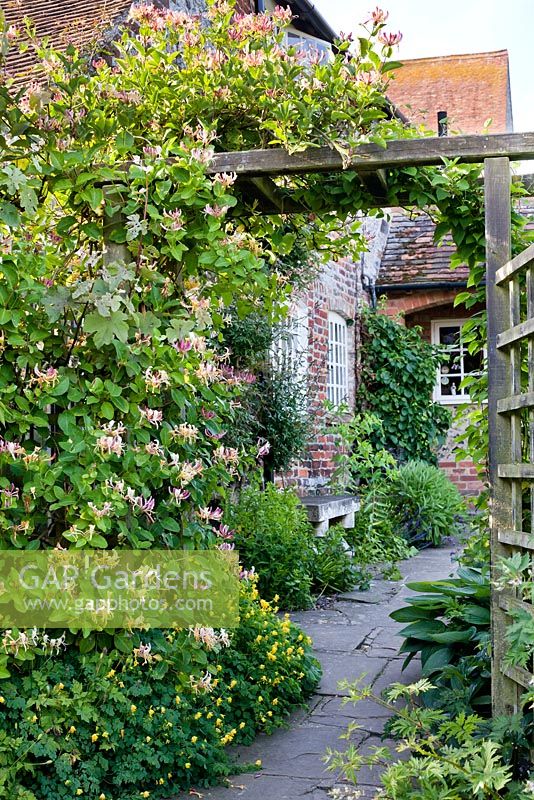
<point>502,437</point>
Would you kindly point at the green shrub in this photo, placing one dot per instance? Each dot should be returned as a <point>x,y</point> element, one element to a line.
<point>334,568</point>
<point>376,543</point>
<point>448,625</point>
<point>419,501</point>
<point>155,721</point>
<point>450,759</point>
<point>273,535</point>
<point>398,376</point>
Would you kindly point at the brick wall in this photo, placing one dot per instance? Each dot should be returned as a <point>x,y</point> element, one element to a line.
<point>336,289</point>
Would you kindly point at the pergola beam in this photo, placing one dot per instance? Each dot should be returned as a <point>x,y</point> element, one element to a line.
<point>371,157</point>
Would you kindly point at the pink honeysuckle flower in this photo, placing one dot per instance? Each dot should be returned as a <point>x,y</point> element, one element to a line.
<point>377,17</point>
<point>215,210</point>
<point>226,179</point>
<point>183,345</point>
<point>247,574</point>
<point>230,455</point>
<point>207,514</point>
<point>224,532</point>
<point>189,471</point>
<point>111,444</point>
<point>151,151</point>
<point>155,379</point>
<point>152,415</point>
<point>173,220</point>
<point>207,413</point>
<point>390,39</point>
<point>226,546</point>
<point>99,513</point>
<point>13,448</point>
<point>154,448</point>
<point>47,378</point>
<point>11,493</point>
<point>179,494</point>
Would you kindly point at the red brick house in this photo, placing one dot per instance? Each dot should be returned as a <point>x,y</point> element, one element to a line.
<point>414,274</point>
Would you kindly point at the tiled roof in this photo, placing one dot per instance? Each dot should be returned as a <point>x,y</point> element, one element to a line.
<point>471,88</point>
<point>80,22</point>
<point>410,255</point>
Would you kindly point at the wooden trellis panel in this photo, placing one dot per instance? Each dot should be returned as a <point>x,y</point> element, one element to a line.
<point>510,303</point>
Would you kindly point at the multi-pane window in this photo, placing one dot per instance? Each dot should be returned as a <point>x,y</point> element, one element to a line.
<point>309,46</point>
<point>289,351</point>
<point>338,376</point>
<point>458,362</point>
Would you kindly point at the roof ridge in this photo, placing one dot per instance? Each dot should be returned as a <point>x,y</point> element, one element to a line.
<point>482,54</point>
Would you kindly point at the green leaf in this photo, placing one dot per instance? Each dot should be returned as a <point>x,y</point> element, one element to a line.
<point>94,197</point>
<point>106,329</point>
<point>107,411</point>
<point>435,660</point>
<point>124,141</point>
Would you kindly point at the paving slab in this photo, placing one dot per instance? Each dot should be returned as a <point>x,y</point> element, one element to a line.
<point>353,635</point>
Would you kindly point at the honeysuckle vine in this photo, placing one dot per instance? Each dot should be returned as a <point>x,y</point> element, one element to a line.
<point>114,393</point>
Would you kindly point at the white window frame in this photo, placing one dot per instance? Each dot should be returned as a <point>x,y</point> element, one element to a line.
<point>321,45</point>
<point>289,349</point>
<point>337,381</point>
<point>452,399</point>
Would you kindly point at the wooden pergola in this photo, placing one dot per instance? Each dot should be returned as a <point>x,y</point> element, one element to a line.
<point>510,305</point>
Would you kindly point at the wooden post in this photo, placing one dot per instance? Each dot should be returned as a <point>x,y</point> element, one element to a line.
<point>498,252</point>
<point>112,250</point>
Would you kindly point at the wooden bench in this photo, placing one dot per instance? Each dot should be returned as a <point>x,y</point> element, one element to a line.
<point>330,509</point>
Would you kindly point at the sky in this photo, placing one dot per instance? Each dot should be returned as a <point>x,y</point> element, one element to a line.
<point>446,27</point>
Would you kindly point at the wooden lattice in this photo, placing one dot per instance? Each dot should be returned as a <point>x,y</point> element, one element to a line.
<point>510,299</point>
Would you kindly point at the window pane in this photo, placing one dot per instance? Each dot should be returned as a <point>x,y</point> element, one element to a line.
<point>450,385</point>
<point>473,363</point>
<point>450,335</point>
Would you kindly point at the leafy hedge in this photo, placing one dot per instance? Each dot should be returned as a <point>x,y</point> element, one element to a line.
<point>397,380</point>
<point>158,721</point>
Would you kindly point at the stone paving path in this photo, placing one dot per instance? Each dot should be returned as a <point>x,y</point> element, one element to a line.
<point>354,636</point>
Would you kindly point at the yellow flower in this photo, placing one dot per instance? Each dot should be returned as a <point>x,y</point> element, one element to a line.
<point>260,699</point>
<point>34,718</point>
<point>102,796</point>
<point>105,735</point>
<point>151,712</point>
<point>72,729</point>
<point>148,739</point>
<point>187,765</point>
<point>219,668</point>
<point>145,794</point>
<point>194,739</point>
<point>161,781</point>
<point>79,792</point>
<point>94,737</point>
<point>198,715</point>
<point>209,715</point>
<point>219,701</point>
<point>2,699</point>
<point>258,762</point>
<point>275,701</point>
<point>233,684</point>
<point>177,700</point>
<point>111,674</point>
<point>228,699</point>
<point>60,686</point>
<point>133,708</point>
<point>241,725</point>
